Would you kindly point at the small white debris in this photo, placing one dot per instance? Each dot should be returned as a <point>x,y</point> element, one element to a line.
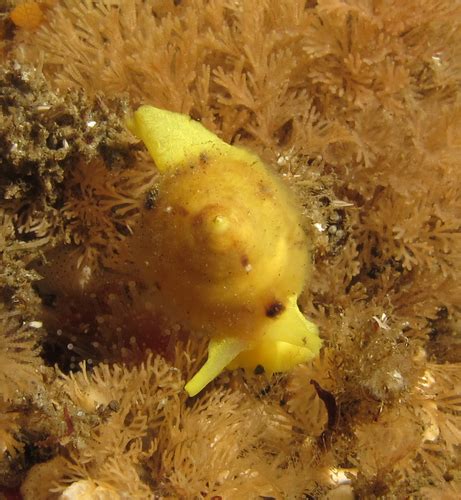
<point>397,382</point>
<point>382,321</point>
<point>162,403</point>
<point>427,380</point>
<point>87,490</point>
<point>85,276</point>
<point>432,431</point>
<point>35,324</point>
<point>339,476</point>
<point>437,59</point>
<point>319,227</point>
<point>281,160</point>
<point>91,124</point>
<point>341,204</point>
<point>284,159</point>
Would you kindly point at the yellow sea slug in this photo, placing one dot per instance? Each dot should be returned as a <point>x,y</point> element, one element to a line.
<point>227,253</point>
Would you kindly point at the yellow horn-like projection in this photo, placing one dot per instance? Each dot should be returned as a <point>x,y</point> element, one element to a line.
<point>228,255</point>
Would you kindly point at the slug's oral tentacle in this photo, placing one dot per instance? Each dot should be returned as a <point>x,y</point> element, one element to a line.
<point>225,239</point>
<point>171,138</point>
<point>174,140</point>
<point>221,352</point>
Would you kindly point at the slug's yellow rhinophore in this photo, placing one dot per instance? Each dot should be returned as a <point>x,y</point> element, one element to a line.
<point>226,249</point>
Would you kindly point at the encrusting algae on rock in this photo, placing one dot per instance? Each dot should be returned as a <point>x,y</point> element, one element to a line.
<point>230,253</point>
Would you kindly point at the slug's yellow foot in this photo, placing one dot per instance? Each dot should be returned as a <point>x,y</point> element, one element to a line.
<point>223,250</point>
<point>288,339</point>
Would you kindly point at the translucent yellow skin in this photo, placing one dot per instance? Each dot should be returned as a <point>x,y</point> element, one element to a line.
<point>228,254</point>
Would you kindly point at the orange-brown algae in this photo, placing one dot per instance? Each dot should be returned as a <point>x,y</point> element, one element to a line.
<point>27,15</point>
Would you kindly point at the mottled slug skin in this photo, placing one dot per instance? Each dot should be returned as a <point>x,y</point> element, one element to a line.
<point>224,246</point>
<point>222,250</point>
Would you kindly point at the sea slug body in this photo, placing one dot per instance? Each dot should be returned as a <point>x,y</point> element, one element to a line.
<point>226,249</point>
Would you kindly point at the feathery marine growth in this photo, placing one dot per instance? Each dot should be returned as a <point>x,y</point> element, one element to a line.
<point>353,108</point>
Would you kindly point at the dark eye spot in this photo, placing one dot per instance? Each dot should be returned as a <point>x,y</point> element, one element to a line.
<point>244,260</point>
<point>274,309</point>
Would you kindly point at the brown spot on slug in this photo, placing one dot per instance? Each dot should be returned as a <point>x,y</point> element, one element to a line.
<point>259,370</point>
<point>274,309</point>
<point>265,190</point>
